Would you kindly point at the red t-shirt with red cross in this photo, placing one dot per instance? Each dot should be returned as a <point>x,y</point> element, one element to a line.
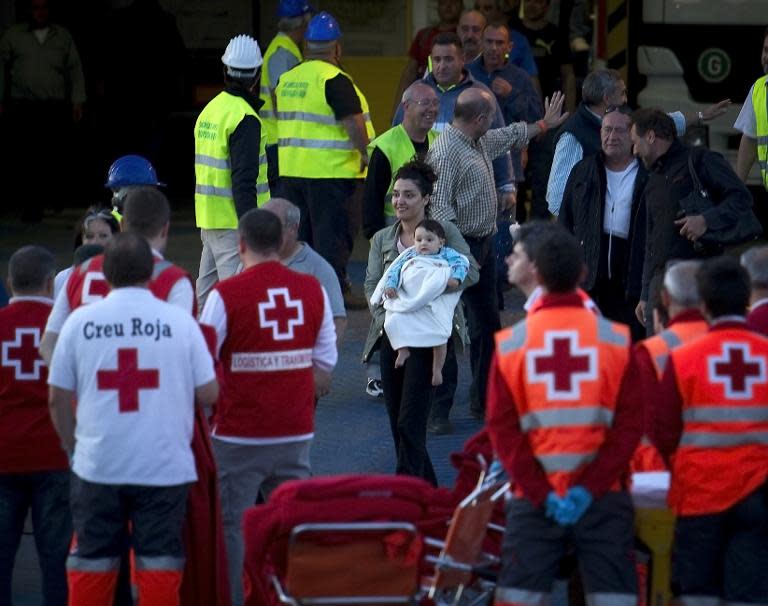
<point>28,440</point>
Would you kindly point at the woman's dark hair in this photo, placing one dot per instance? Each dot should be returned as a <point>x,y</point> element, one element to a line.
<point>432,226</point>
<point>421,173</point>
<point>94,212</point>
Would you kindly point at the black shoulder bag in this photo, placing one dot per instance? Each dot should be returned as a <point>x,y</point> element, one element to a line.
<point>714,241</point>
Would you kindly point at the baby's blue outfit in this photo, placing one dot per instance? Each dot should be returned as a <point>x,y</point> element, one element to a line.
<point>456,261</point>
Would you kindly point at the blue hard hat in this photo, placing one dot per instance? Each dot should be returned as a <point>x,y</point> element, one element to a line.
<point>294,8</point>
<point>131,170</point>
<point>323,28</point>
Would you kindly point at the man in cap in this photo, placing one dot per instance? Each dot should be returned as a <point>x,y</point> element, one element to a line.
<point>282,54</point>
<point>128,172</point>
<point>230,162</point>
<point>323,134</point>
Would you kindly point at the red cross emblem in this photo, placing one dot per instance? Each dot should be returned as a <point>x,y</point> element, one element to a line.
<point>128,379</point>
<point>21,354</point>
<point>95,287</point>
<point>562,365</point>
<point>736,370</point>
<point>281,313</point>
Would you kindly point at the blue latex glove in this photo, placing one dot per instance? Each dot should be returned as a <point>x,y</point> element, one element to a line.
<point>552,505</point>
<point>575,504</point>
<point>496,469</point>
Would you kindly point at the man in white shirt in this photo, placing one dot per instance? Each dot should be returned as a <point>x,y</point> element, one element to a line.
<point>602,208</point>
<point>137,368</point>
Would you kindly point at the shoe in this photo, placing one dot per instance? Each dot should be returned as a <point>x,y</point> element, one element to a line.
<point>439,427</point>
<point>374,388</point>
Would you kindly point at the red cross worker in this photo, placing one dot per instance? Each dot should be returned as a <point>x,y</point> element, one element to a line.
<point>712,414</point>
<point>680,302</point>
<point>276,345</point>
<point>34,471</point>
<point>564,417</point>
<point>147,212</point>
<point>137,368</point>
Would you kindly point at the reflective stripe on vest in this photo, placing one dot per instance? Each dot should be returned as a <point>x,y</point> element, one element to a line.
<point>759,100</point>
<point>726,414</point>
<point>281,42</point>
<point>660,345</point>
<point>716,439</point>
<point>397,146</point>
<point>565,463</point>
<point>214,203</point>
<point>312,143</point>
<point>567,417</point>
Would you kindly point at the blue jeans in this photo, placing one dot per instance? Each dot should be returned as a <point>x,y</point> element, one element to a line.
<point>46,493</point>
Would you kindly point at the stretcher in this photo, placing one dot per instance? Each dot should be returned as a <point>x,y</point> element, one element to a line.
<point>361,539</point>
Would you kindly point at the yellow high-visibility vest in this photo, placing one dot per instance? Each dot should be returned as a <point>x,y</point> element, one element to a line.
<point>761,119</point>
<point>312,143</point>
<point>214,204</point>
<point>267,111</point>
<point>397,146</point>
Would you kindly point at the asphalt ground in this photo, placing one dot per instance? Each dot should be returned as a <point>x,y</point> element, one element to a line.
<point>352,429</point>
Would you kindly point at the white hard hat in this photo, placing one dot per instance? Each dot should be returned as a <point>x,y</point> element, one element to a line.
<point>242,56</point>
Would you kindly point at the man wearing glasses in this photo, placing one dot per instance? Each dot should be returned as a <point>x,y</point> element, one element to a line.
<point>390,150</point>
<point>602,208</point>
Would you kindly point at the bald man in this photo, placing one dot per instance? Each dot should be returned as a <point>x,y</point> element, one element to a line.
<point>393,148</point>
<point>465,195</point>
<point>301,257</point>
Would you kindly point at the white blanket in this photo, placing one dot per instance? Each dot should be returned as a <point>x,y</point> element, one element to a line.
<point>422,313</point>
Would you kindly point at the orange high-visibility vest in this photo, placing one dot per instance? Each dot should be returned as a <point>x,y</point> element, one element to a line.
<point>722,457</point>
<point>647,457</point>
<point>564,367</point>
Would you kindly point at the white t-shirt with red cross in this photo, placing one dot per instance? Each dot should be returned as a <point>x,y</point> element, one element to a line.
<point>134,362</point>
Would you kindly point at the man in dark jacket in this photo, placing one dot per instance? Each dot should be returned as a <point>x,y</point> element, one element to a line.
<point>670,233</point>
<point>602,207</point>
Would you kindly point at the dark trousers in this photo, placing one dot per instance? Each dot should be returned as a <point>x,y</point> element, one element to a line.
<point>610,289</point>
<point>100,512</point>
<point>482,311</point>
<point>540,153</point>
<point>46,494</point>
<point>408,396</point>
<point>724,555</point>
<point>603,541</point>
<point>442,399</point>
<point>330,216</point>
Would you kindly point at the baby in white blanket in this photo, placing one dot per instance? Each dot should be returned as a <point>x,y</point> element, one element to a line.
<point>419,294</point>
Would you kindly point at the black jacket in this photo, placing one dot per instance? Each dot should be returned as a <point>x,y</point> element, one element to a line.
<point>669,181</point>
<point>582,213</point>
<point>244,153</point>
<point>585,127</point>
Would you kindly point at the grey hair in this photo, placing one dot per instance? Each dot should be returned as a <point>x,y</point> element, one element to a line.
<point>599,83</point>
<point>408,92</point>
<point>292,214</point>
<point>288,24</point>
<point>755,261</point>
<point>321,47</point>
<point>680,283</point>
